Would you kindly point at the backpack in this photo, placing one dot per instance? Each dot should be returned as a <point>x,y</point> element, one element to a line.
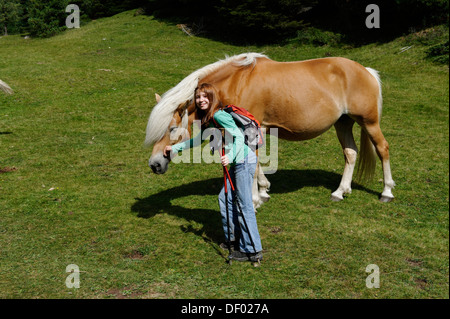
<point>253,136</point>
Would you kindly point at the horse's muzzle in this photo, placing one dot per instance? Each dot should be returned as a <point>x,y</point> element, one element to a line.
<point>159,164</point>
<point>156,168</point>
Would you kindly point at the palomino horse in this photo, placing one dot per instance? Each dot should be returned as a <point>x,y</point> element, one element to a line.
<point>5,87</point>
<point>302,99</point>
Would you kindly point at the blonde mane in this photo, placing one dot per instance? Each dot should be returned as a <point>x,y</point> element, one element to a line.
<point>162,113</point>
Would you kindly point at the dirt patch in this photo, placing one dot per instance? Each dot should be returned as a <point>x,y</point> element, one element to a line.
<point>135,254</point>
<point>276,230</point>
<point>7,169</point>
<point>156,290</point>
<point>422,283</point>
<point>414,262</point>
<point>124,293</point>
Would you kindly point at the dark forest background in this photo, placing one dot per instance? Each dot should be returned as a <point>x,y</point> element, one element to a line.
<point>241,21</point>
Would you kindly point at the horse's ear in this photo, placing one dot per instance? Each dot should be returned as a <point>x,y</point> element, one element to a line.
<point>191,108</point>
<point>182,108</point>
<point>157,97</point>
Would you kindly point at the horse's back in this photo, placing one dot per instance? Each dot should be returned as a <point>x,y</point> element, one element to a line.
<point>322,69</point>
<point>334,80</point>
<point>305,98</point>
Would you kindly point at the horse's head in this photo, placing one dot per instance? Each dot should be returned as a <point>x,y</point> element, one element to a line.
<point>178,129</point>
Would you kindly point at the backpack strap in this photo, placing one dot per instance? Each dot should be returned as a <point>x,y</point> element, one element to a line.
<point>227,109</point>
<point>214,122</point>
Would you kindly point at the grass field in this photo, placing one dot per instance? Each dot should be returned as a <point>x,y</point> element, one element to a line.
<point>75,187</point>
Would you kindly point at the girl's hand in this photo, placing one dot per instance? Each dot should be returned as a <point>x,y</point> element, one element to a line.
<point>167,150</point>
<point>225,161</point>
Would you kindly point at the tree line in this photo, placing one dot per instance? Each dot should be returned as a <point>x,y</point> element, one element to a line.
<point>239,20</point>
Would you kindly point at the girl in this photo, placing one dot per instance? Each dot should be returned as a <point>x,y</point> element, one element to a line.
<point>242,162</point>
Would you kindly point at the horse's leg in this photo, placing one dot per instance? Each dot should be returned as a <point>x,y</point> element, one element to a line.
<point>382,148</point>
<point>263,185</point>
<point>260,187</point>
<point>255,191</point>
<point>345,135</point>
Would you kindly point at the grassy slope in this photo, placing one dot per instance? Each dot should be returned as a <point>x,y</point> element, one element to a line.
<point>82,193</point>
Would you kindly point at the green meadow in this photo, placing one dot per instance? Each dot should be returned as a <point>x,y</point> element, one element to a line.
<point>75,187</point>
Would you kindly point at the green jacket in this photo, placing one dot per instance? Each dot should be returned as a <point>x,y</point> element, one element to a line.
<point>235,151</point>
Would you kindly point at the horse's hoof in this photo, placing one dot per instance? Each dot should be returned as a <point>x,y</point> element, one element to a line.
<point>264,197</point>
<point>336,199</point>
<point>386,199</point>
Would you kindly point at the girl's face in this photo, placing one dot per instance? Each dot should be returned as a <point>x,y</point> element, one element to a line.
<point>202,101</point>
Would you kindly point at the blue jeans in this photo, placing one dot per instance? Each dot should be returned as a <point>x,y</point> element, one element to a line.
<point>242,177</point>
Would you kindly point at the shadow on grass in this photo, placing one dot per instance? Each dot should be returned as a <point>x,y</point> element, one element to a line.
<point>160,203</point>
<point>283,181</point>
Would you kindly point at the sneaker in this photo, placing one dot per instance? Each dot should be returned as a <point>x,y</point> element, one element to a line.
<point>240,256</point>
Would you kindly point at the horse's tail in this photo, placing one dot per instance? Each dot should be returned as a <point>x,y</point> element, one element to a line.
<point>368,156</point>
<point>5,87</point>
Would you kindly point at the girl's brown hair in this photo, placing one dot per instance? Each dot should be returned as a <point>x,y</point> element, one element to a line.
<point>214,103</point>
